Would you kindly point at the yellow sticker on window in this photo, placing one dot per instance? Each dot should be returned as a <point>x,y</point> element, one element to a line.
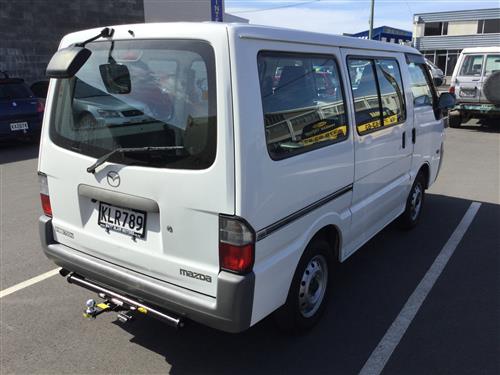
<point>340,131</point>
<point>389,120</point>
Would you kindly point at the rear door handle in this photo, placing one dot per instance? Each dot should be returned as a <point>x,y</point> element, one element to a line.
<point>403,140</point>
<point>413,135</point>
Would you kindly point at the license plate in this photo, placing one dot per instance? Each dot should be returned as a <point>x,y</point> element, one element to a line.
<point>123,220</point>
<point>16,126</point>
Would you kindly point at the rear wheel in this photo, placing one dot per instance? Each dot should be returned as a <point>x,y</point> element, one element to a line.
<point>308,292</point>
<point>414,204</point>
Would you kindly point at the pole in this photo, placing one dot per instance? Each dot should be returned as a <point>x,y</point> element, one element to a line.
<point>372,7</point>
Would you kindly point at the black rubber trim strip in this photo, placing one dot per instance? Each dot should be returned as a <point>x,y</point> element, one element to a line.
<point>264,232</point>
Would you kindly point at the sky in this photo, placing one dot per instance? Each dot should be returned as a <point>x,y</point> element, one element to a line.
<point>343,16</point>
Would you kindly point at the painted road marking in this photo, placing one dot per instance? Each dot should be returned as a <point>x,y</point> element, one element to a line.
<point>379,357</point>
<point>29,282</point>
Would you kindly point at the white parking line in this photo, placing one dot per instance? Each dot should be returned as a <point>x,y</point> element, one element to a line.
<point>379,357</point>
<point>29,282</point>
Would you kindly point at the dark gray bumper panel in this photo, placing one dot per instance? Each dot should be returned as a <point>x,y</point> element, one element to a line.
<point>231,311</point>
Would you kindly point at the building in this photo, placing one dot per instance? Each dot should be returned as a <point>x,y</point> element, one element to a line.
<point>30,33</point>
<point>182,10</point>
<point>442,36</point>
<point>386,34</point>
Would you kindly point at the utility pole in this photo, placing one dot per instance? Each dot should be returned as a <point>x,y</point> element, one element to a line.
<point>370,32</point>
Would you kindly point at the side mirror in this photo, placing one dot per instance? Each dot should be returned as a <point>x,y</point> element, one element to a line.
<point>67,62</point>
<point>446,101</point>
<point>116,78</point>
<point>438,81</point>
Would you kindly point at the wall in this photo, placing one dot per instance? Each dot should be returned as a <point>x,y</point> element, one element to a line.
<point>177,10</point>
<point>462,28</point>
<point>30,30</point>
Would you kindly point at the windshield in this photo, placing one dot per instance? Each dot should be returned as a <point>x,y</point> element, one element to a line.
<point>171,102</point>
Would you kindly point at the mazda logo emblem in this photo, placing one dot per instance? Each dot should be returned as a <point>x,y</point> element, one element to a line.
<point>113,179</point>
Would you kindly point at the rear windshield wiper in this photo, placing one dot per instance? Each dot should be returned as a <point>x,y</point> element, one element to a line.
<point>120,150</point>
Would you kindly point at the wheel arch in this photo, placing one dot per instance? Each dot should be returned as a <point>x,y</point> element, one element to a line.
<point>332,235</point>
<point>425,169</point>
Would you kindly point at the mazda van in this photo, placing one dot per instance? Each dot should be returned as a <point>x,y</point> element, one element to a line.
<point>221,170</point>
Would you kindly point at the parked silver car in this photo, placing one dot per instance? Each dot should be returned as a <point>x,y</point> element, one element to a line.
<point>476,84</point>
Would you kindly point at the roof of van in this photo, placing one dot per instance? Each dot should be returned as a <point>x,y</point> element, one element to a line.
<point>481,49</point>
<point>243,30</point>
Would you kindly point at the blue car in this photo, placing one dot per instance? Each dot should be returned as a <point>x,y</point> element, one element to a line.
<point>21,113</point>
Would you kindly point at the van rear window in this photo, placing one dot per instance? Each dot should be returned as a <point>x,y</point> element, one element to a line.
<point>170,100</point>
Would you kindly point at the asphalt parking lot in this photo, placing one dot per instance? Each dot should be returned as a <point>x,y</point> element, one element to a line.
<point>455,331</point>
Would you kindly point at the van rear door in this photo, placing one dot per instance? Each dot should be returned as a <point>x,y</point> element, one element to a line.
<point>153,211</point>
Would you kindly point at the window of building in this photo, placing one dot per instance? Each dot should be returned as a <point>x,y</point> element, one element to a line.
<point>491,26</point>
<point>378,96</point>
<point>436,28</point>
<point>492,64</point>
<point>472,65</point>
<point>302,101</point>
<point>420,86</point>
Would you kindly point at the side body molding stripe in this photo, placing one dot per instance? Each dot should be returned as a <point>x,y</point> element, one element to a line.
<point>264,232</point>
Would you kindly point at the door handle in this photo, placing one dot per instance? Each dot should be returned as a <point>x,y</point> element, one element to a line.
<point>403,140</point>
<point>413,135</point>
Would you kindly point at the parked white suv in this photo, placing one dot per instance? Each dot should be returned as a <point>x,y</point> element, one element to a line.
<point>476,85</point>
<point>252,177</point>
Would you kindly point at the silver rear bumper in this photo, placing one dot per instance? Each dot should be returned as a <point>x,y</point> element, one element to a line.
<point>231,311</point>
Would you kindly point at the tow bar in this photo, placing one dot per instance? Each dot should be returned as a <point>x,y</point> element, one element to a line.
<point>124,306</point>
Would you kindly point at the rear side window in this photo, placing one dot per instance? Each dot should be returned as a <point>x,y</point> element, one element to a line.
<point>302,101</point>
<point>14,91</point>
<point>492,64</point>
<point>420,86</point>
<point>171,104</point>
<point>472,65</point>
<point>378,93</point>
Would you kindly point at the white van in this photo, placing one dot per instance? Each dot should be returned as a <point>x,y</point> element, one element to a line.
<point>216,172</point>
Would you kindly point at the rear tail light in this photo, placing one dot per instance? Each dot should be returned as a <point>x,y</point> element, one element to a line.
<point>40,107</point>
<point>236,245</point>
<point>44,194</point>
<point>451,90</point>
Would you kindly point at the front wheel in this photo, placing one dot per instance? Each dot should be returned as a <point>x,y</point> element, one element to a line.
<point>414,204</point>
<point>308,292</point>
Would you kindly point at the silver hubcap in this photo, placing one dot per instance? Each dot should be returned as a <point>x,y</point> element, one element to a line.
<point>313,286</point>
<point>416,201</point>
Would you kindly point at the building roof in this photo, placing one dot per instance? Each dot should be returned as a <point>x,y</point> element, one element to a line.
<point>458,15</point>
<point>385,30</point>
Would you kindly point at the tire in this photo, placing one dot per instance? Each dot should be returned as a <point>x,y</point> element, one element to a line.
<point>454,119</point>
<point>491,88</point>
<point>309,289</point>
<point>414,204</point>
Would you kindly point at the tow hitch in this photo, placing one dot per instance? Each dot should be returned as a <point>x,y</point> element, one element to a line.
<point>124,306</point>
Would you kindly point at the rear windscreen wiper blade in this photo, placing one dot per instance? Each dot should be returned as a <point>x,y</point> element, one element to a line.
<point>120,150</point>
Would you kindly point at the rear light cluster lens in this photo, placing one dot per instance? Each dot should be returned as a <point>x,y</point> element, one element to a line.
<point>44,194</point>
<point>236,245</point>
